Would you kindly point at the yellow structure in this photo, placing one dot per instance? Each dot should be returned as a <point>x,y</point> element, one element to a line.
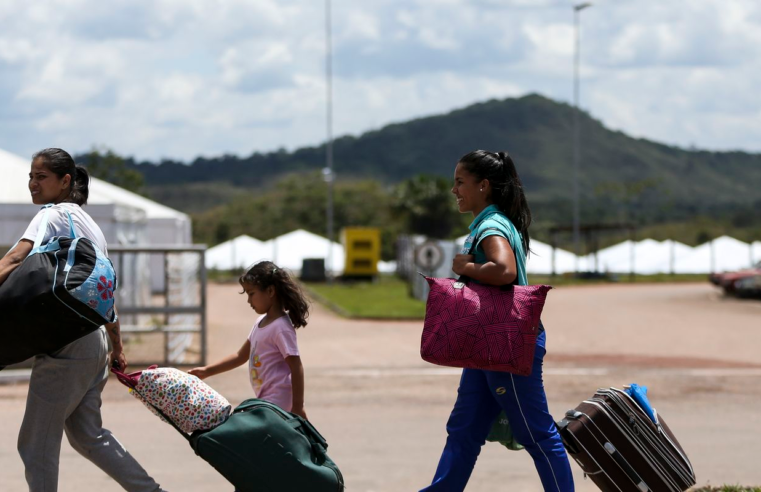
<point>362,248</point>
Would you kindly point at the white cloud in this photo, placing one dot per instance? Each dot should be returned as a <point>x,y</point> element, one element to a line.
<point>181,78</point>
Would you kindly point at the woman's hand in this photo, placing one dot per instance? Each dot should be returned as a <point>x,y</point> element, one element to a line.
<point>199,372</point>
<point>118,359</point>
<point>460,263</point>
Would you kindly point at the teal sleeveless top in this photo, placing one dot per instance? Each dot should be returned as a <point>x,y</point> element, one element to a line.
<point>492,222</point>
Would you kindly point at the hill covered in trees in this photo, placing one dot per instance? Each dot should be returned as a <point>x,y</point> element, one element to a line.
<point>398,177</point>
<point>616,170</point>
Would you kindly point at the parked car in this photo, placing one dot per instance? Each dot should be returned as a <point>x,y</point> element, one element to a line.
<point>749,286</point>
<point>729,280</point>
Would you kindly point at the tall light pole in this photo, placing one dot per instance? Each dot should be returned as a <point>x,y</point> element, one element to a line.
<point>328,170</point>
<point>576,219</point>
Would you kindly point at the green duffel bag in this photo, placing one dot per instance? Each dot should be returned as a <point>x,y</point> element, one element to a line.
<point>263,448</point>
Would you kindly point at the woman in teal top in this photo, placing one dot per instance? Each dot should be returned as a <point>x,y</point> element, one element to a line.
<point>487,185</point>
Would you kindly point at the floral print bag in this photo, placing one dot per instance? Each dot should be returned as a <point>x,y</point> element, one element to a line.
<point>188,402</point>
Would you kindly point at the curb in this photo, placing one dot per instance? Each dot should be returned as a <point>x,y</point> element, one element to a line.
<point>15,376</point>
<point>344,313</point>
<point>327,303</point>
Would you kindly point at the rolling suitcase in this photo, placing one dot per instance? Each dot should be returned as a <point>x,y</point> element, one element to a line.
<point>263,448</point>
<point>620,448</point>
<point>259,447</point>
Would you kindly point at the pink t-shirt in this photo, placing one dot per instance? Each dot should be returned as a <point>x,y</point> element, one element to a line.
<point>270,374</point>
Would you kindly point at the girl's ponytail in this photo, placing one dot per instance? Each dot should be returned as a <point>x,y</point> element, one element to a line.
<point>265,274</point>
<point>291,298</point>
<point>507,190</point>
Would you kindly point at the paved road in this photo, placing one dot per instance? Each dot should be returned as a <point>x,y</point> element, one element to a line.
<point>383,409</point>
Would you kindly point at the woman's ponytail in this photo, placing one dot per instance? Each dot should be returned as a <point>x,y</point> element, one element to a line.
<point>512,199</point>
<point>507,190</point>
<point>80,186</point>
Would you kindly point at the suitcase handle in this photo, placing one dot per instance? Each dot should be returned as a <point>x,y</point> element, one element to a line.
<point>563,430</point>
<point>626,467</point>
<point>319,444</point>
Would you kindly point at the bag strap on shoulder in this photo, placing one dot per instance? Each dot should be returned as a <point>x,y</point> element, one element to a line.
<point>479,238</point>
<point>72,229</point>
<point>476,240</point>
<point>42,230</point>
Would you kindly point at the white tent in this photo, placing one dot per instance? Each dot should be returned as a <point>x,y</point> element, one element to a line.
<point>756,252</point>
<point>616,258</point>
<point>164,225</point>
<point>656,257</point>
<point>290,250</point>
<point>540,259</point>
<point>721,254</point>
<point>646,257</point>
<point>124,217</point>
<point>237,253</point>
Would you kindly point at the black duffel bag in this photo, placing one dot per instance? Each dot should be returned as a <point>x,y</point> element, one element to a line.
<point>61,292</point>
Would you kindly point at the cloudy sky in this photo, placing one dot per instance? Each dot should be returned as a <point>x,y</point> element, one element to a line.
<point>182,78</point>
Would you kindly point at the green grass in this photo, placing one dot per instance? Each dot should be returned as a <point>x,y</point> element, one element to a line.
<point>386,298</point>
<point>560,280</point>
<point>728,488</point>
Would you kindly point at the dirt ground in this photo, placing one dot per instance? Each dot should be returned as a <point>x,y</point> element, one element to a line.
<point>383,409</point>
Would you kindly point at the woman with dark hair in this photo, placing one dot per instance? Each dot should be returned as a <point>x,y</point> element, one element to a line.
<point>65,387</point>
<point>486,184</point>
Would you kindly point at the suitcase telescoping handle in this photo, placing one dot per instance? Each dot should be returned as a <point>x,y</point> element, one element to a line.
<point>626,467</point>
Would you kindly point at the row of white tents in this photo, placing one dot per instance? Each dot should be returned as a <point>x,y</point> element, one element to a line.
<point>648,257</point>
<point>645,257</point>
<point>287,251</point>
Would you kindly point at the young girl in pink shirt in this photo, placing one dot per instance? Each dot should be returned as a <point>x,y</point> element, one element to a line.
<point>271,350</point>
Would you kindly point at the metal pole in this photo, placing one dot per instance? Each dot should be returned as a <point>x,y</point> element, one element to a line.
<point>204,326</point>
<point>329,145</point>
<point>576,219</point>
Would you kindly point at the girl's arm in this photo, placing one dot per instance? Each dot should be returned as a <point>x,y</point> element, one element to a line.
<point>297,384</point>
<point>14,258</point>
<point>499,269</point>
<point>230,362</point>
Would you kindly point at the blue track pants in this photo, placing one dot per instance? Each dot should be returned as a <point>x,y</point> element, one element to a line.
<point>481,396</point>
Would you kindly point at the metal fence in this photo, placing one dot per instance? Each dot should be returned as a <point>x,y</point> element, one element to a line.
<point>168,327</point>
